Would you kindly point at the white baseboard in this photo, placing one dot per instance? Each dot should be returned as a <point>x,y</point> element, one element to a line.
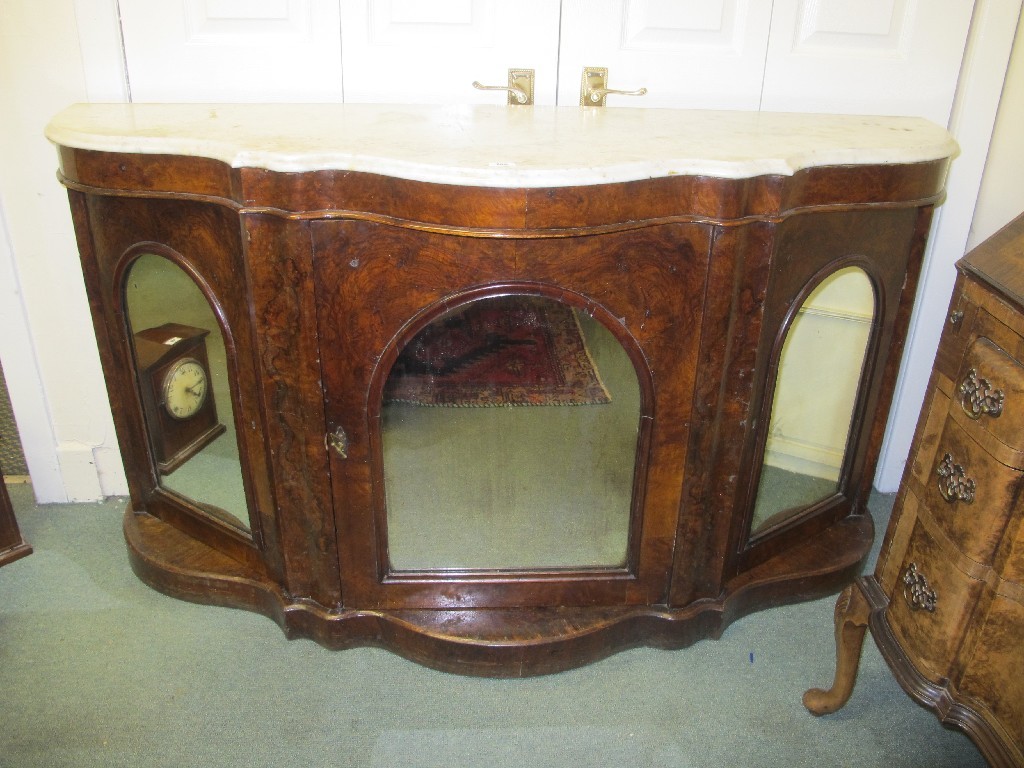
<point>803,458</point>
<point>79,472</point>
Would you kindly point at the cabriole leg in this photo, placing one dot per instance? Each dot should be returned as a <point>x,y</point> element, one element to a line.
<point>851,618</point>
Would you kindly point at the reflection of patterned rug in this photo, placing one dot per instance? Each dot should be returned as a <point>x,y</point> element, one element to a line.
<point>513,350</point>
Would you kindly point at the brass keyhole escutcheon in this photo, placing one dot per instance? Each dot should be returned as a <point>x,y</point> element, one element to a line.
<point>337,440</point>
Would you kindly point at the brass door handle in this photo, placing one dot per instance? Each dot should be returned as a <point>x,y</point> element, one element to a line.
<point>519,88</point>
<point>594,88</point>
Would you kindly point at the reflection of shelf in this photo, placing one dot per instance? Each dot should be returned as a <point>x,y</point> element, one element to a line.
<point>189,451</point>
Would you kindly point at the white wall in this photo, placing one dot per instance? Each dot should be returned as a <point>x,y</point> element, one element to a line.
<point>46,338</point>
<point>1002,189</point>
<point>971,123</point>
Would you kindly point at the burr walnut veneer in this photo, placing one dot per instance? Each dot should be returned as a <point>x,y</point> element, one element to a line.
<point>946,601</point>
<point>325,239</point>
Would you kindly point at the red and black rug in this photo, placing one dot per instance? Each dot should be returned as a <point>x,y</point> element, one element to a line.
<point>511,350</point>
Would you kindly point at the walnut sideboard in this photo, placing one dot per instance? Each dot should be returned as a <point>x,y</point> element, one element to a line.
<point>507,389</point>
<point>946,601</point>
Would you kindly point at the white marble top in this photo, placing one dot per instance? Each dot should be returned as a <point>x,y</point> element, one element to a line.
<point>501,145</point>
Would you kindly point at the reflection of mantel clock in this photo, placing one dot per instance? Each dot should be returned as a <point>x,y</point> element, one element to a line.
<point>177,394</point>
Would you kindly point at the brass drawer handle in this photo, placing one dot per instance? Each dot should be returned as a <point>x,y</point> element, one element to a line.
<point>978,397</point>
<point>954,485</point>
<point>916,590</point>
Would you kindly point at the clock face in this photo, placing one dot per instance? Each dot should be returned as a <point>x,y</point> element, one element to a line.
<point>185,388</point>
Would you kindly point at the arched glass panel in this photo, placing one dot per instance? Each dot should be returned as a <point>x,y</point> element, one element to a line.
<point>509,431</point>
<point>819,375</point>
<point>182,370</point>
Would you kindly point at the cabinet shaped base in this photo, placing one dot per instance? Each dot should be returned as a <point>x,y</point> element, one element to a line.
<point>953,709</point>
<point>494,642</point>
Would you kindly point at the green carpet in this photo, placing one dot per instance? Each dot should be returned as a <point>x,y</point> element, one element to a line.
<point>98,670</point>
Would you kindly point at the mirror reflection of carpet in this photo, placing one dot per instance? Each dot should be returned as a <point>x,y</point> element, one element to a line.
<point>511,350</point>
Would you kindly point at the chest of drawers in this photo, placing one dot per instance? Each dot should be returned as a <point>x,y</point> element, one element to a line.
<point>946,601</point>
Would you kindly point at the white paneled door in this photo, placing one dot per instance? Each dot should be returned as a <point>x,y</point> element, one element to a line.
<point>691,55</point>
<point>232,50</point>
<point>873,56</point>
<point>417,52</point>
<point>891,57</point>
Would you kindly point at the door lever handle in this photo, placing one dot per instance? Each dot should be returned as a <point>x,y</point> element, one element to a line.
<point>594,88</point>
<point>519,88</point>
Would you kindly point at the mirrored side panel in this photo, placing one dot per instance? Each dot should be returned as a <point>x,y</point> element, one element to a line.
<point>818,379</point>
<point>182,372</point>
<point>509,430</point>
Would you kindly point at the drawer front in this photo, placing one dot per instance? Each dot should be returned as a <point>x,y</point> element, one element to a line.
<point>969,493</point>
<point>990,392</point>
<point>929,433</point>
<point>959,321</point>
<point>930,604</point>
<point>994,671</point>
<point>1011,552</point>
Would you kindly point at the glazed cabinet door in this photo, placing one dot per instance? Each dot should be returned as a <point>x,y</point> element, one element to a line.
<point>493,425</point>
<point>836,304</point>
<point>173,319</point>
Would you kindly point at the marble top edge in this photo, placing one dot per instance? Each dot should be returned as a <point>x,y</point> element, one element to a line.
<point>501,146</point>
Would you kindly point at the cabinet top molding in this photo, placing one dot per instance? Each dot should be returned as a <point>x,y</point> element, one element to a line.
<point>501,146</point>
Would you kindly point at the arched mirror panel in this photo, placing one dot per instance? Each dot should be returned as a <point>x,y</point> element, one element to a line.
<point>182,369</point>
<point>815,392</point>
<point>509,429</point>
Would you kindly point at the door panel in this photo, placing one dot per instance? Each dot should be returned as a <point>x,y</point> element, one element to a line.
<point>414,52</point>
<point>879,56</point>
<point>894,57</point>
<point>232,50</point>
<point>707,55</point>
<point>379,286</point>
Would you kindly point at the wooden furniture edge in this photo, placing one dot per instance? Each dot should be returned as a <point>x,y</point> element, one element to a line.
<point>555,639</point>
<point>542,211</point>
<point>941,697</point>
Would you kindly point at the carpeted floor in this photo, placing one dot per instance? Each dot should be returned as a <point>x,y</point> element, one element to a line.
<point>98,670</point>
